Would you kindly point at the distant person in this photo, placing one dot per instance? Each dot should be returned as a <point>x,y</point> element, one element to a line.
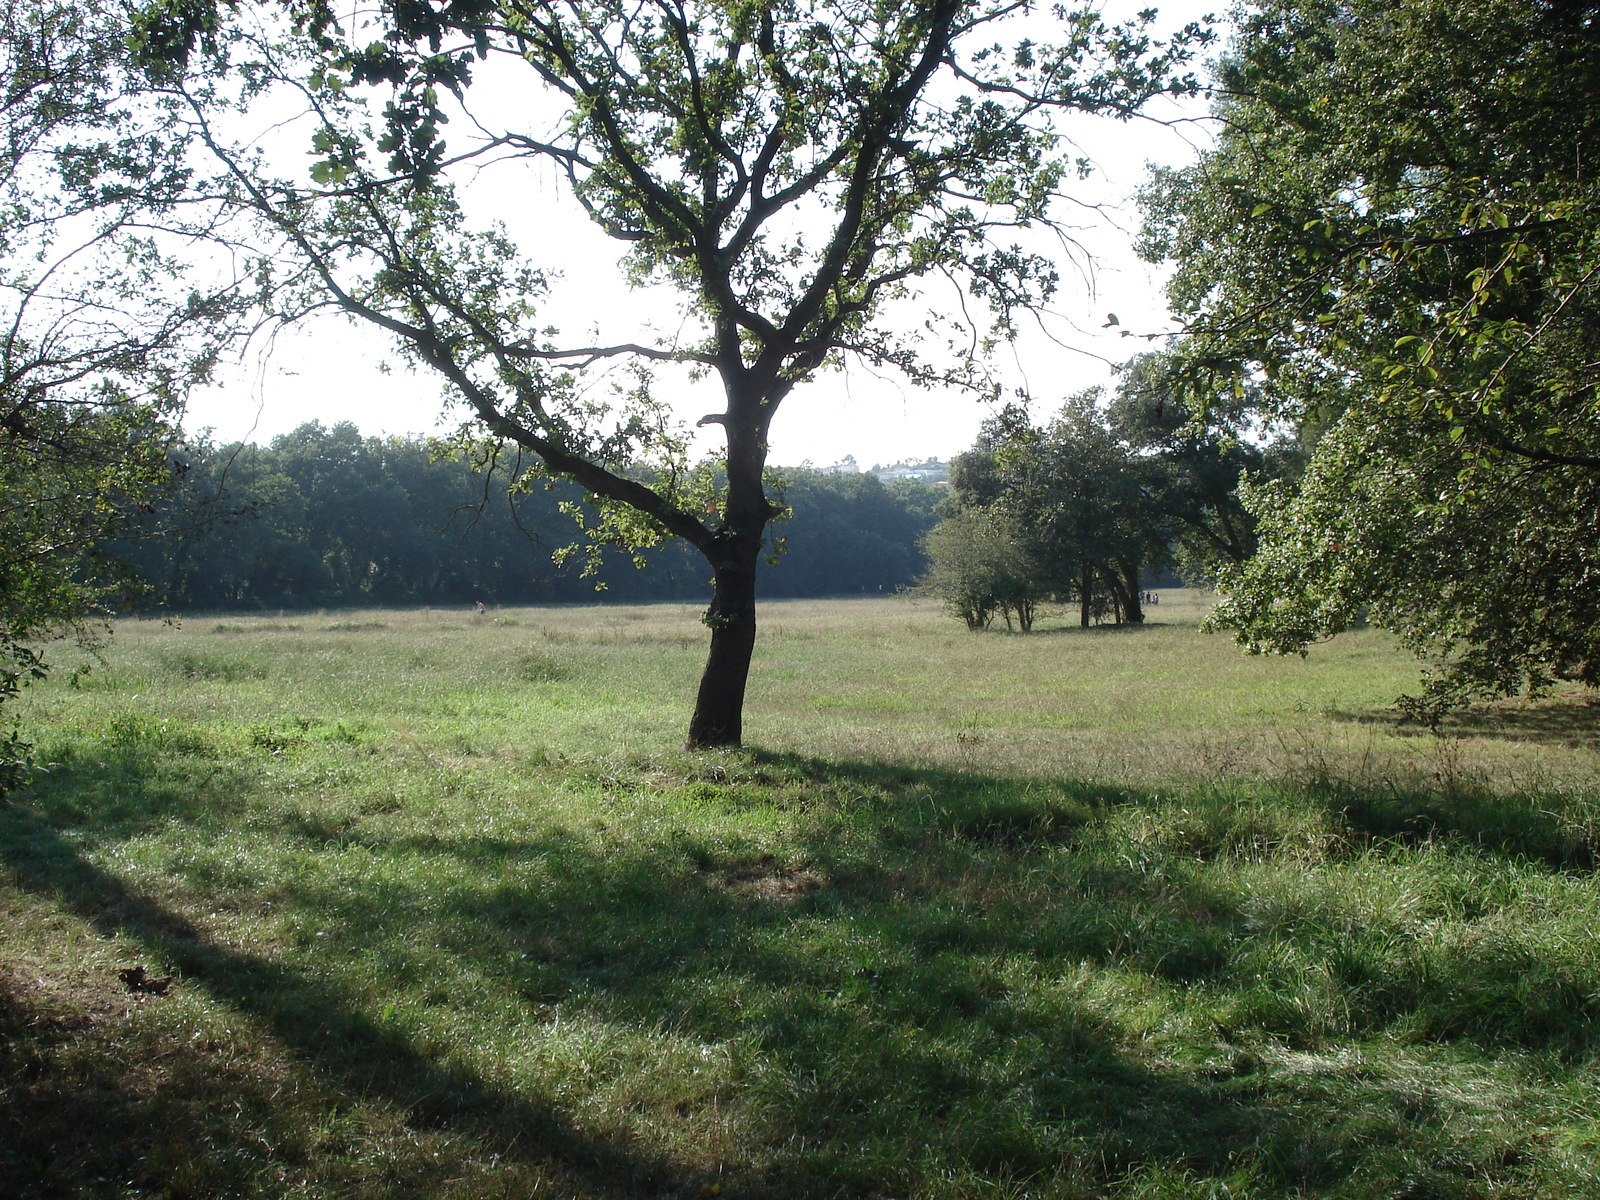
<point>482,611</point>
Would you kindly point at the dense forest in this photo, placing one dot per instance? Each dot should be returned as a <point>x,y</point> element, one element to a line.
<point>325,516</point>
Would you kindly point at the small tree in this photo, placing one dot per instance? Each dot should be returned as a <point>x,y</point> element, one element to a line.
<point>1087,509</point>
<point>100,332</point>
<point>978,566</point>
<point>790,170</point>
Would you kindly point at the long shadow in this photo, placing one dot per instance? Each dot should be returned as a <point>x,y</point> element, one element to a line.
<point>43,1112</point>
<point>1565,720</point>
<point>1558,721</point>
<point>1519,828</point>
<point>895,1028</point>
<point>1098,629</point>
<point>693,933</point>
<point>867,988</point>
<point>312,1019</point>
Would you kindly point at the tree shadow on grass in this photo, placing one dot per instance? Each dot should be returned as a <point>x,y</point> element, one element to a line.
<point>360,1059</point>
<point>915,1007</point>
<point>925,976</point>
<point>1571,719</point>
<point>1095,629</point>
<point>1568,720</point>
<point>1536,827</point>
<point>44,1112</point>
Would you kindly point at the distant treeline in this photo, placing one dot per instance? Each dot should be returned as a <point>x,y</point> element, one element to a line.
<point>325,516</point>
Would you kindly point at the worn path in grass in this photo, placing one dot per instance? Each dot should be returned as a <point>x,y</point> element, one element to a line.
<point>1106,914</point>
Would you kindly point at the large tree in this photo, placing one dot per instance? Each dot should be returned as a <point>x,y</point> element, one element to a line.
<point>788,170</point>
<point>1396,240</point>
<point>100,331</point>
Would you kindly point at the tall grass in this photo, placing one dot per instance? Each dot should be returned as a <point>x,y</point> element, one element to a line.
<point>1112,913</point>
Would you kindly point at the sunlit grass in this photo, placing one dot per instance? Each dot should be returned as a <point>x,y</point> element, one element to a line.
<point>1106,913</point>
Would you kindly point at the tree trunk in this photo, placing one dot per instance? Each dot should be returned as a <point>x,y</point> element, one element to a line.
<point>1086,599</point>
<point>1130,577</point>
<point>719,708</point>
<point>1124,598</point>
<point>1114,590</point>
<point>733,551</point>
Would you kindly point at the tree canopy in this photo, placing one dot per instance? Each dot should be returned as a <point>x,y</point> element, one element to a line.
<point>1394,242</point>
<point>101,330</point>
<point>788,170</point>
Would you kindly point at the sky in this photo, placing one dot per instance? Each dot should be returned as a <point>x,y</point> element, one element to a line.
<point>329,369</point>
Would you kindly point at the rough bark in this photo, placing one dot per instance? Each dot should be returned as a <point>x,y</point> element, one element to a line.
<point>718,718</point>
<point>734,552</point>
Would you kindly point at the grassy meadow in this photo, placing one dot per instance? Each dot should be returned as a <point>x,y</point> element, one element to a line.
<point>431,905</point>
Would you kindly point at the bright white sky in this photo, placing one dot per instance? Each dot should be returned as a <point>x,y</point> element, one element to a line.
<point>330,370</point>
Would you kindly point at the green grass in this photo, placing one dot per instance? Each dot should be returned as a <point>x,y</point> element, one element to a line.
<point>1115,913</point>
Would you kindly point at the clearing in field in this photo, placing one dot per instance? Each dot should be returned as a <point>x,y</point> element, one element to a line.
<point>421,904</point>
